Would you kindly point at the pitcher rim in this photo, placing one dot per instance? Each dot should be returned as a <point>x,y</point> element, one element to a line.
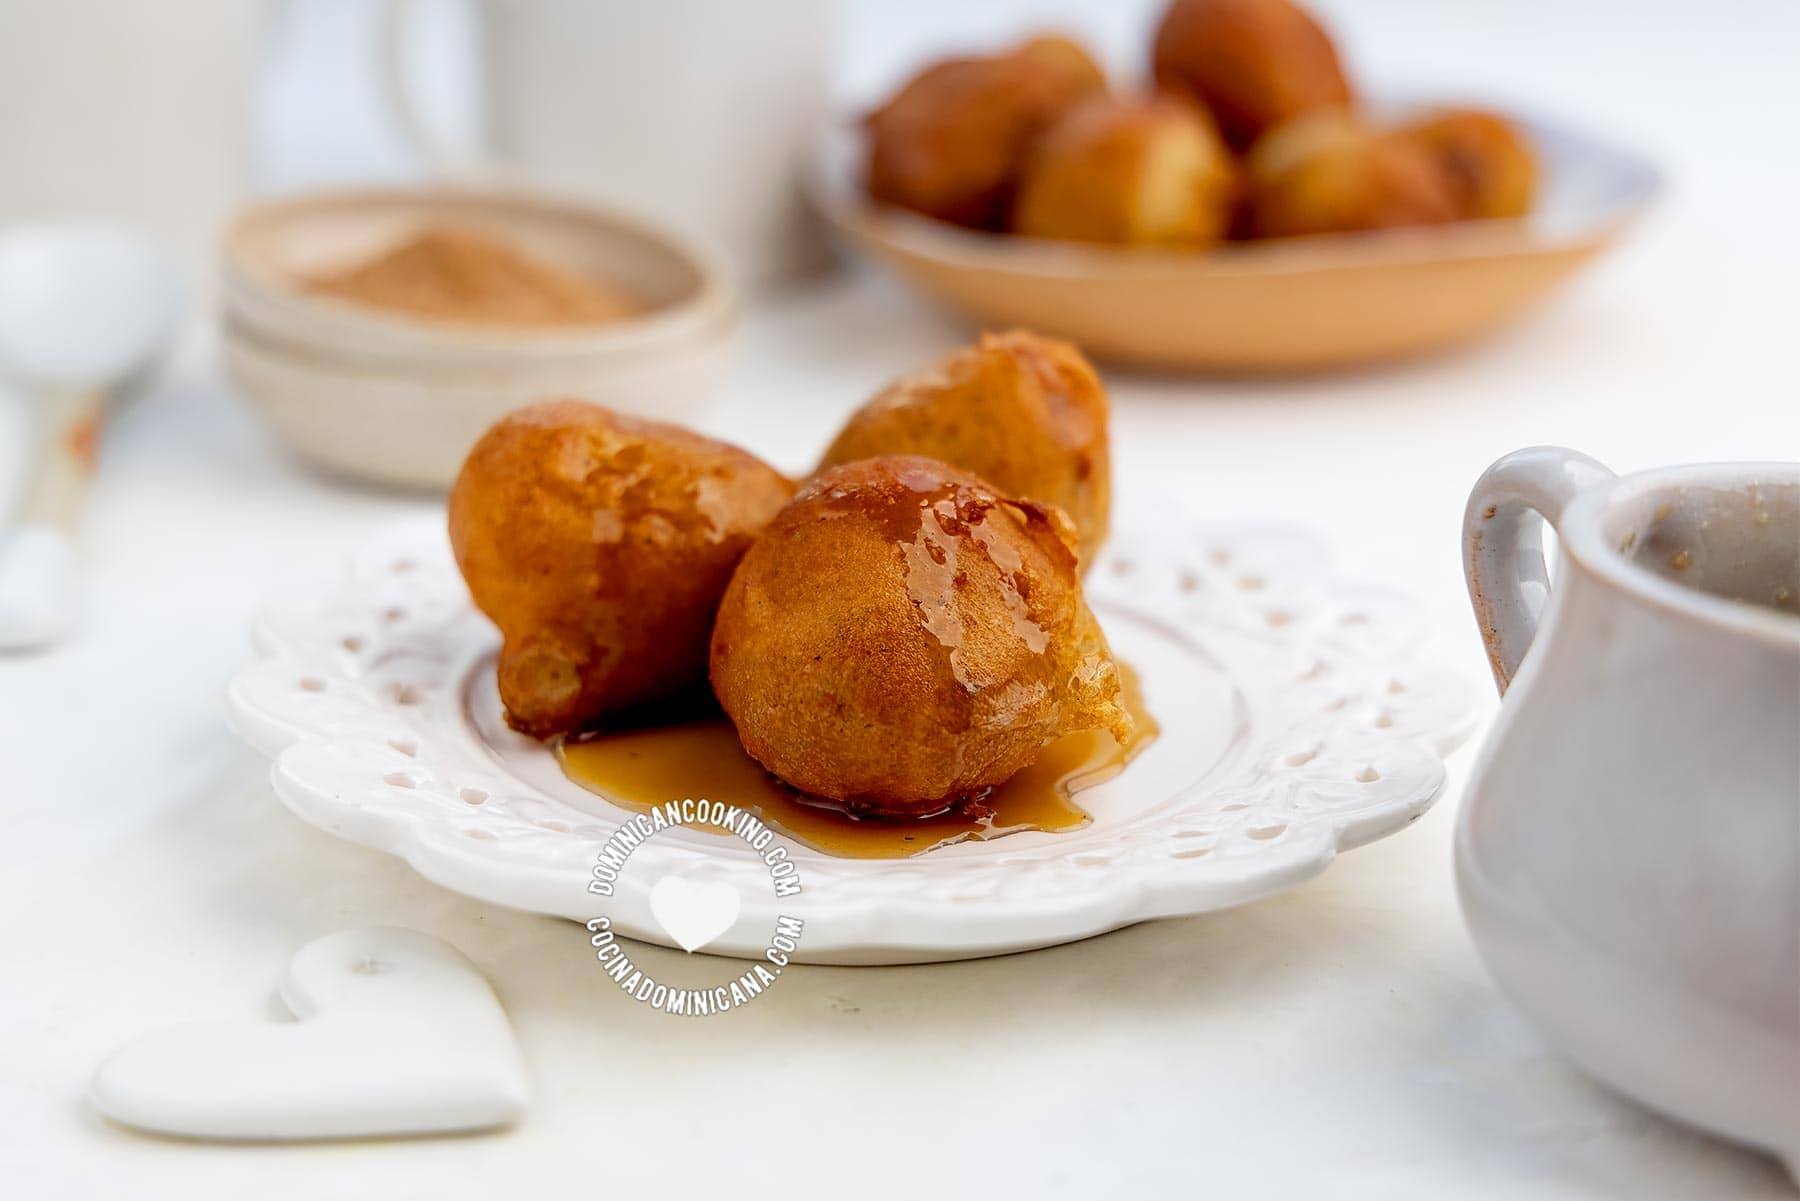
<point>1584,541</point>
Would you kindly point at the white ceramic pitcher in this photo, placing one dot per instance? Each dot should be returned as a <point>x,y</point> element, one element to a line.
<point>1628,853</point>
<point>128,111</point>
<point>695,112</point>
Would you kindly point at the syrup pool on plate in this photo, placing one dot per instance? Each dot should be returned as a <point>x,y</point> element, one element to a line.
<point>643,768</point>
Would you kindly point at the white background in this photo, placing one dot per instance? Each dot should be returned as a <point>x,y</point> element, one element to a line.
<point>1339,1041</point>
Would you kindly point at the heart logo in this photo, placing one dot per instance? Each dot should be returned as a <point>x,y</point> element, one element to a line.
<point>693,914</point>
<point>398,1033</point>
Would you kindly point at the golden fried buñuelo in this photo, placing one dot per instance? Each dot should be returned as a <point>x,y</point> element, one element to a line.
<point>903,635</point>
<point>1254,63</point>
<point>950,143</point>
<point>600,545</point>
<point>1026,413</point>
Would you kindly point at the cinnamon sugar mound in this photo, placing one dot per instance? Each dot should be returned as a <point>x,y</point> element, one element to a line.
<point>456,273</point>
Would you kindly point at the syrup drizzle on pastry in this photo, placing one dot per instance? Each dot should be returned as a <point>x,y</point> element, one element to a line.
<point>701,758</point>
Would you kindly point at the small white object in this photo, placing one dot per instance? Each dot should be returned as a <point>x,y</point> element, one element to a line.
<point>398,1033</point>
<point>693,914</point>
<point>39,586</point>
<point>1628,849</point>
<point>84,305</point>
<point>1300,715</point>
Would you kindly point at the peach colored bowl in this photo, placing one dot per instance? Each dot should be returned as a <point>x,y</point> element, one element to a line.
<point>1294,305</point>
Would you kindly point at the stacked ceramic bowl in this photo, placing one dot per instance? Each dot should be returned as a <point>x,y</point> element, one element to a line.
<point>398,399</point>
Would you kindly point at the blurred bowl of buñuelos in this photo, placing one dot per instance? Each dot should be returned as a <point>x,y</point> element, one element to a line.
<point>1249,211</point>
<point>380,331</point>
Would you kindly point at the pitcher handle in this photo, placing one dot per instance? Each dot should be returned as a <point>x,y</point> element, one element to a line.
<point>1503,544</point>
<point>396,21</point>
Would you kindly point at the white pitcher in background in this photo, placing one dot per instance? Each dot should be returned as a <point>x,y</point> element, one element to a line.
<point>126,110</point>
<point>1628,851</point>
<point>695,112</point>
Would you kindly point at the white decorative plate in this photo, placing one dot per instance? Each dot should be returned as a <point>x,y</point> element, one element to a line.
<point>1298,716</point>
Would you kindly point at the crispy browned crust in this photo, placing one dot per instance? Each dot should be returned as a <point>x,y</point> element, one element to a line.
<point>1026,413</point>
<point>1486,159</point>
<point>1141,171</point>
<point>600,546</point>
<point>1254,63</point>
<point>903,635</point>
<point>950,143</point>
<point>1328,173</point>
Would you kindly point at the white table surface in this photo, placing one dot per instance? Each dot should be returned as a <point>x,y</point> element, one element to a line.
<point>1339,1041</point>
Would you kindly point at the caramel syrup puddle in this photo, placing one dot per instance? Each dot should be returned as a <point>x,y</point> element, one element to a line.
<point>643,768</point>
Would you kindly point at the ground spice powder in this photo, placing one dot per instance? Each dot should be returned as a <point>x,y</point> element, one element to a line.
<point>456,273</point>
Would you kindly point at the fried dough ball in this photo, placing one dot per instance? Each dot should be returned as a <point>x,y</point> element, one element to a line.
<point>1485,158</point>
<point>903,636</point>
<point>1254,63</point>
<point>1147,171</point>
<point>1061,57</point>
<point>1328,173</point>
<point>600,546</point>
<point>1026,413</point>
<point>950,143</point>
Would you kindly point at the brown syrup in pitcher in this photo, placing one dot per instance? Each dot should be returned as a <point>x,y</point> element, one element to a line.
<point>702,759</point>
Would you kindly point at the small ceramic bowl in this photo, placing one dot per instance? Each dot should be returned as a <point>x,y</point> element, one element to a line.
<point>398,399</point>
<point>413,426</point>
<point>1286,305</point>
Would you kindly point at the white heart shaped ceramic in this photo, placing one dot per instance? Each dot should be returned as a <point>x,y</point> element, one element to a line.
<point>1300,716</point>
<point>1628,852</point>
<point>398,1034</point>
<point>691,913</point>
